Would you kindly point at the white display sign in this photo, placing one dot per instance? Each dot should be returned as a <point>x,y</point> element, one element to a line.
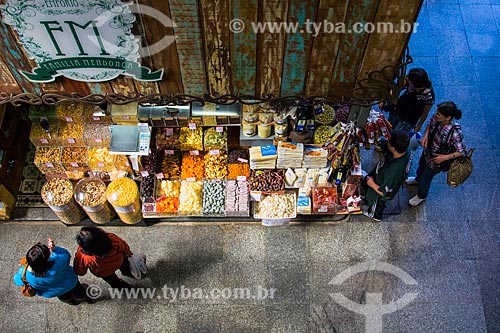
<point>83,40</point>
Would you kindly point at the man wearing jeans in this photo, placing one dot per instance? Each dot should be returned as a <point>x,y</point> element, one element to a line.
<point>384,181</point>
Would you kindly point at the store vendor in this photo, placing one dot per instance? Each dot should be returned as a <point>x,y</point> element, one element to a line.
<point>383,183</point>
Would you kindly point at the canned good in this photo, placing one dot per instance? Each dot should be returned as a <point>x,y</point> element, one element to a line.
<point>90,193</point>
<point>123,194</point>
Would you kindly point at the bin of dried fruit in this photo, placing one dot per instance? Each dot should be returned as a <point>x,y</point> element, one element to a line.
<point>214,197</point>
<point>169,164</point>
<point>276,206</point>
<point>167,205</point>
<point>168,188</point>
<point>190,198</point>
<point>147,188</point>
<point>101,160</point>
<point>90,193</point>
<point>69,112</point>
<point>75,158</point>
<point>213,139</point>
<point>123,194</point>
<point>168,138</point>
<point>237,198</point>
<point>94,114</point>
<point>238,164</point>
<point>191,139</point>
<point>267,180</point>
<point>71,134</point>
<point>215,164</point>
<point>122,163</point>
<point>149,162</point>
<point>48,160</point>
<point>57,193</point>
<point>41,138</point>
<point>97,135</point>
<point>192,165</point>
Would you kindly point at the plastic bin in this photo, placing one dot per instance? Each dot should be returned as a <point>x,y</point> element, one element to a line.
<point>40,138</point>
<point>90,193</point>
<point>69,112</point>
<point>75,159</point>
<point>123,194</point>
<point>71,134</point>
<point>57,193</point>
<point>39,112</point>
<point>97,135</point>
<point>48,160</point>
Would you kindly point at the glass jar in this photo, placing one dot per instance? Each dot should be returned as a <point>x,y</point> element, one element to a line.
<point>57,193</point>
<point>250,116</point>
<point>123,194</point>
<point>264,130</point>
<point>249,129</point>
<point>90,193</point>
<point>280,117</point>
<point>265,117</point>
<point>281,129</point>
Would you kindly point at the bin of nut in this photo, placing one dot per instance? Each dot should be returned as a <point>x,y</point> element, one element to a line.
<point>192,165</point>
<point>322,134</point>
<point>101,160</point>
<point>191,139</point>
<point>169,164</point>
<point>168,193</point>
<point>75,159</point>
<point>237,198</point>
<point>276,206</point>
<point>42,138</point>
<point>57,193</point>
<point>122,163</point>
<point>94,114</point>
<point>40,112</point>
<point>190,198</point>
<point>97,135</point>
<point>71,134</point>
<point>90,193</point>
<point>69,112</point>
<point>215,138</point>
<point>215,164</point>
<point>237,164</point>
<point>123,194</point>
<point>168,138</point>
<point>48,160</point>
<point>324,200</point>
<point>214,197</point>
<point>267,180</point>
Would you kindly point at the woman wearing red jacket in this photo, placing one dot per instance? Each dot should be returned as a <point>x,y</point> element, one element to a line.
<point>102,253</point>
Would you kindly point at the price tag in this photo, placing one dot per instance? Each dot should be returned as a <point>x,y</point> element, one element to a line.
<point>242,160</point>
<point>126,117</point>
<point>219,129</point>
<point>49,165</point>
<point>144,173</point>
<point>159,175</point>
<point>98,140</point>
<point>95,118</point>
<point>169,131</point>
<point>100,164</point>
<point>75,165</point>
<point>256,195</point>
<point>169,152</point>
<point>192,126</point>
<point>191,179</point>
<point>241,178</point>
<point>68,119</point>
<point>44,141</point>
<point>194,153</point>
<point>214,152</point>
<point>71,141</point>
<point>322,209</point>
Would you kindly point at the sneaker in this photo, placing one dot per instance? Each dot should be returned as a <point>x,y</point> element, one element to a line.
<point>367,211</point>
<point>411,181</point>
<point>415,201</point>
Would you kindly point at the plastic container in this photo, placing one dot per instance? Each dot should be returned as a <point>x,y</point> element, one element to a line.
<point>75,159</point>
<point>101,160</point>
<point>249,129</point>
<point>97,135</point>
<point>94,114</point>
<point>69,112</point>
<point>124,114</point>
<point>90,193</point>
<point>71,134</point>
<point>57,193</point>
<point>264,130</point>
<point>39,112</point>
<point>123,194</point>
<point>122,163</point>
<point>48,160</point>
<point>40,138</point>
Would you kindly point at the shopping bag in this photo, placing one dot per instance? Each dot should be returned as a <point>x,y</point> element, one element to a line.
<point>137,265</point>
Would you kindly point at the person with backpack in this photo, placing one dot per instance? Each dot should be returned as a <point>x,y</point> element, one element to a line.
<point>442,142</point>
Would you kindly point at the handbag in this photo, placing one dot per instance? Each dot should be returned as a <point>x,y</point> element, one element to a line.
<point>460,169</point>
<point>26,289</point>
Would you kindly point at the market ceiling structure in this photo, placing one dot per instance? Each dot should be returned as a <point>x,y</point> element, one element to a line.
<point>207,60</point>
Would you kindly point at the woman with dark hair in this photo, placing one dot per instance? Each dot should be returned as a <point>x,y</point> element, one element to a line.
<point>50,274</point>
<point>442,142</point>
<point>102,253</point>
<point>414,104</point>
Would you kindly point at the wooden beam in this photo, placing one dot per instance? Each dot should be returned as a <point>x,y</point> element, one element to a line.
<point>9,84</point>
<point>298,46</point>
<point>188,36</point>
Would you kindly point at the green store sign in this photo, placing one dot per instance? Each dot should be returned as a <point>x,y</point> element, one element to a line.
<point>83,40</point>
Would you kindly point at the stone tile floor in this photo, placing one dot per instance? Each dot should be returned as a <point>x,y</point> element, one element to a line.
<point>450,245</point>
